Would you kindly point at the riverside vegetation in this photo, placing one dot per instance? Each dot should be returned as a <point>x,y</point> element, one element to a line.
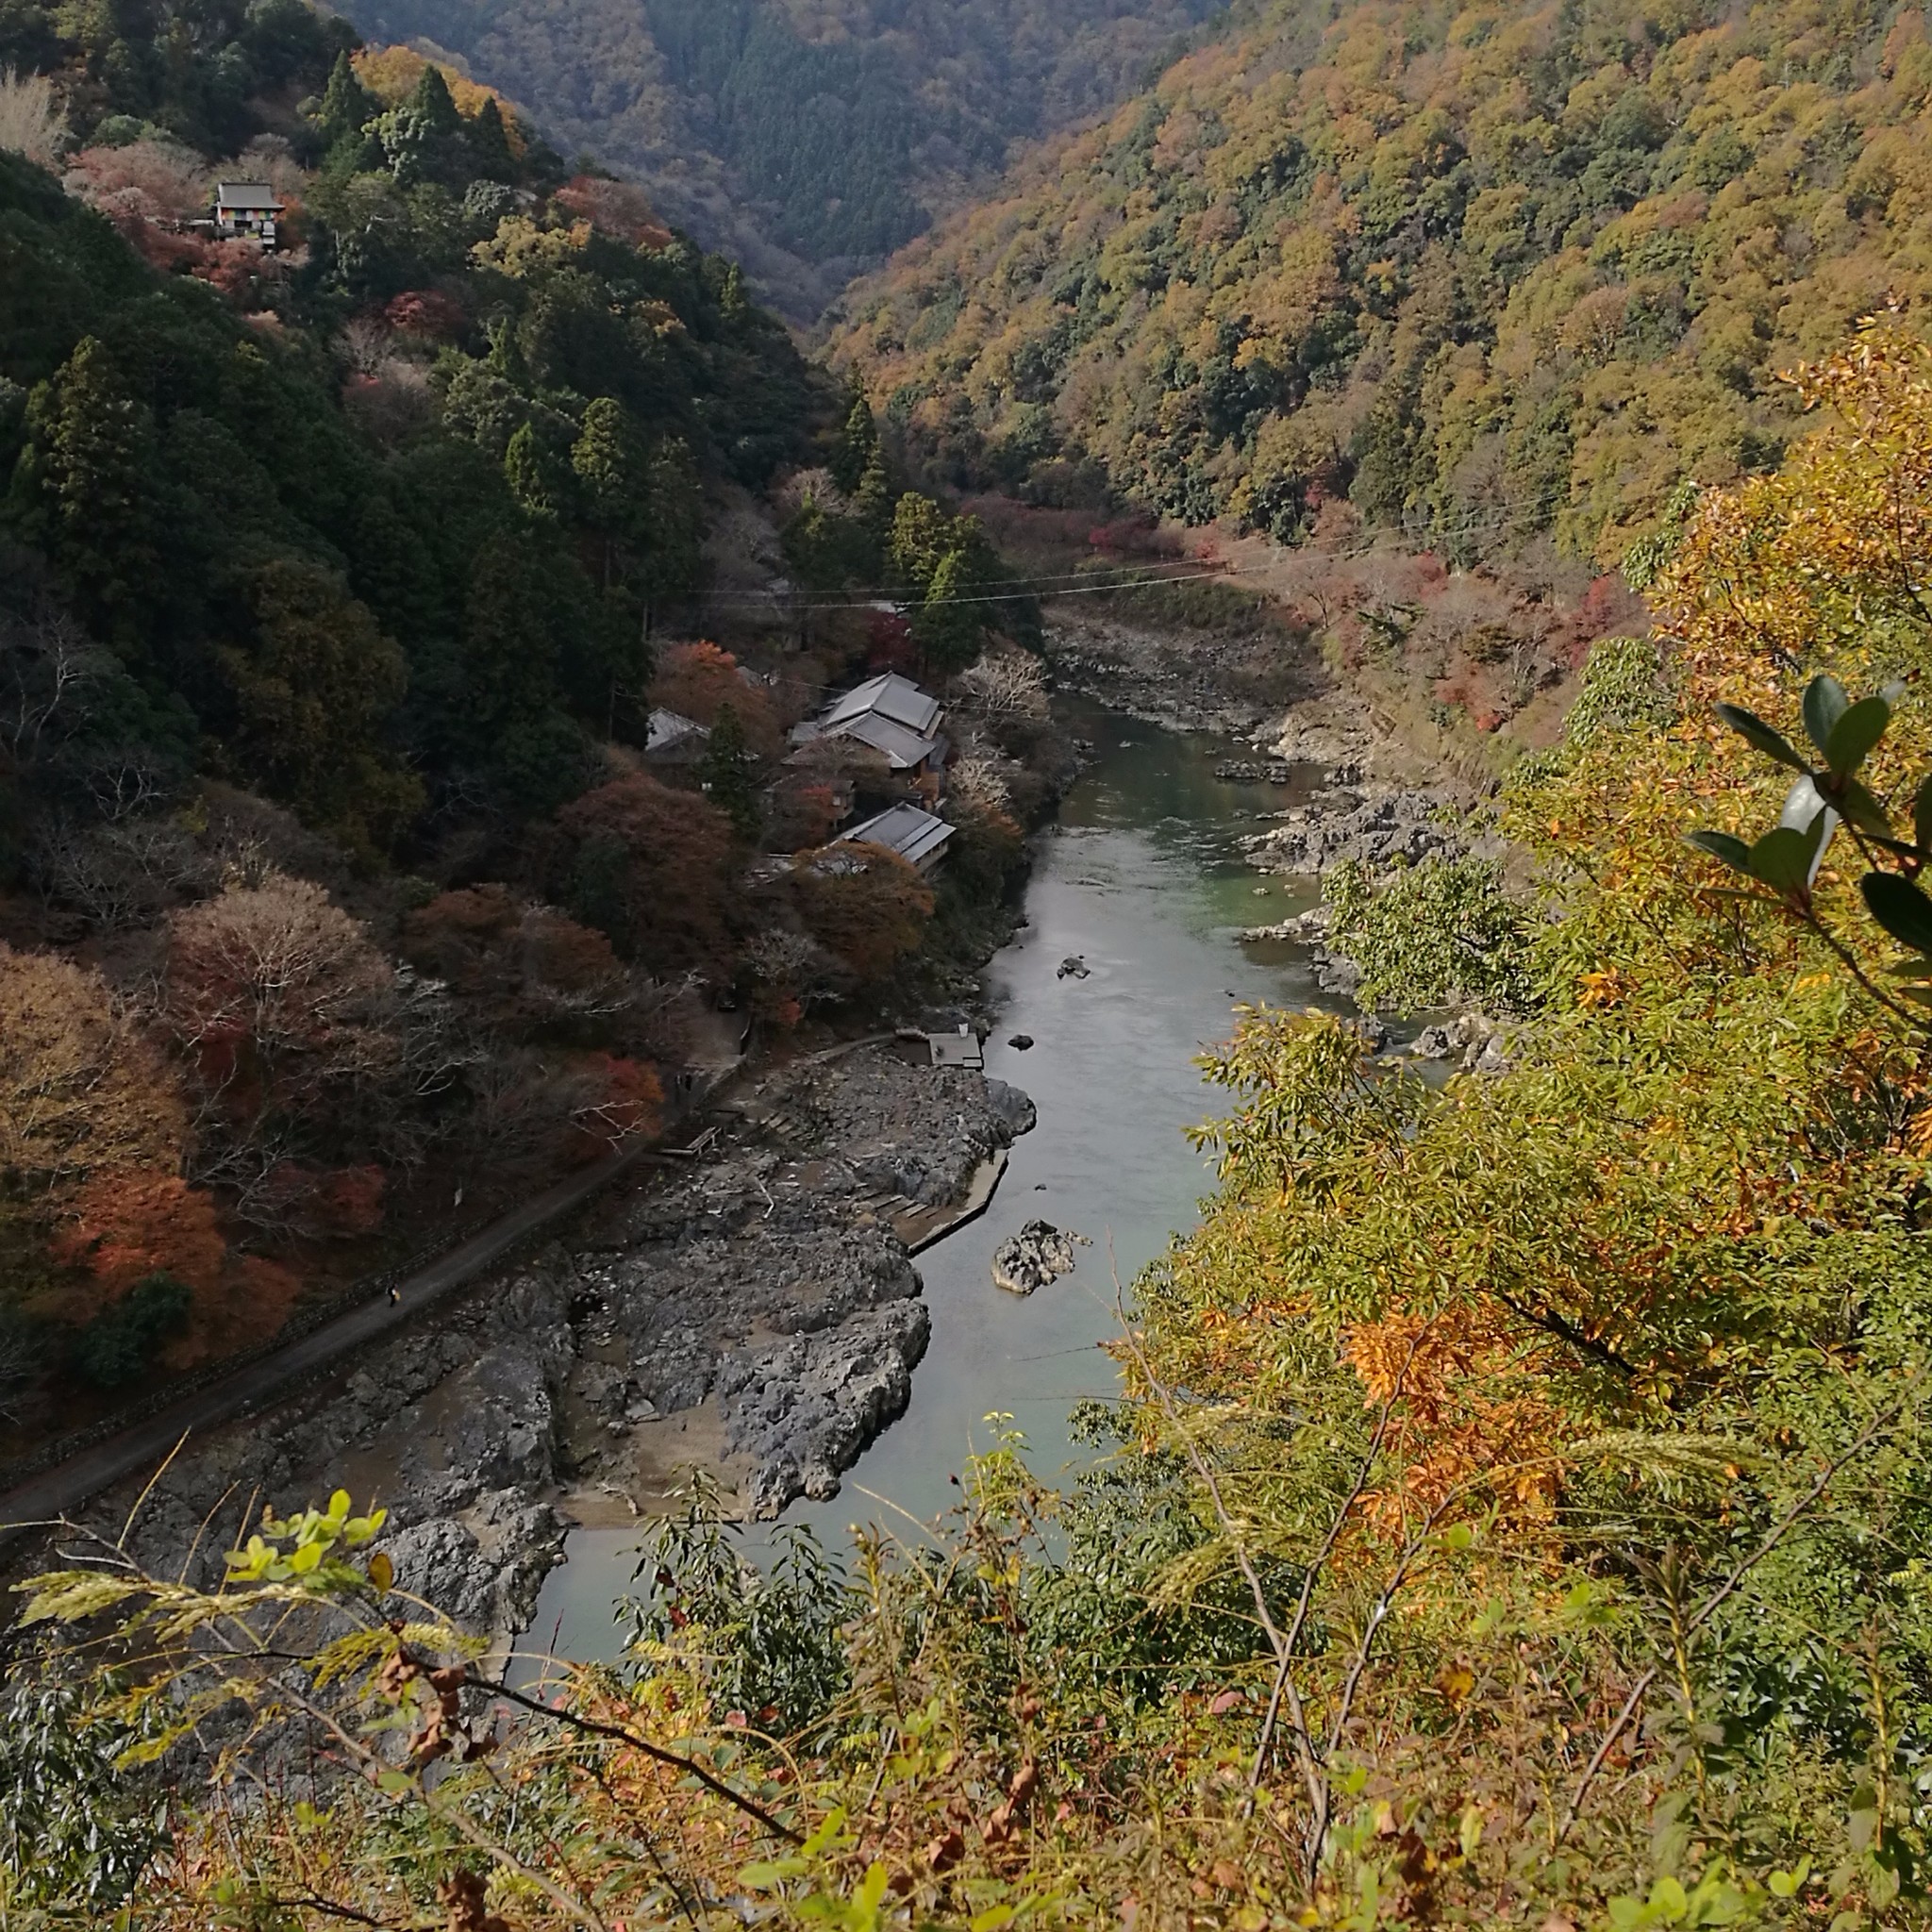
<point>1518,1502</point>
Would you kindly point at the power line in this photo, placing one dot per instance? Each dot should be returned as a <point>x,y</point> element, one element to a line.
<point>992,597</point>
<point>1078,583</point>
<point>1020,584</point>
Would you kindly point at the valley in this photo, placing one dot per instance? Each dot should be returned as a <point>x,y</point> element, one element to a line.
<point>964,965</point>
<point>805,141</point>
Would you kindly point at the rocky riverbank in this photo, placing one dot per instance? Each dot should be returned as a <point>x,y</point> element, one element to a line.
<point>757,1314</point>
<point>1205,681</point>
<point>1151,674</point>
<point>1366,798</point>
<point>1374,800</point>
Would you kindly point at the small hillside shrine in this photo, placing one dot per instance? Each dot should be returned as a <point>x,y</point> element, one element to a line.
<point>247,210</point>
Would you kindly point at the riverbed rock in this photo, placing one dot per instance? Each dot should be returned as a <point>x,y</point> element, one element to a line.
<point>1072,967</point>
<point>1335,972</point>
<point>452,1428</point>
<point>1300,928</point>
<point>1038,1256</point>
<point>1476,1042</point>
<point>1142,672</point>
<point>902,1127</point>
<point>805,1408</point>
<point>766,1278</point>
<point>1014,1108</point>
<point>1397,827</point>
<point>1021,1042</point>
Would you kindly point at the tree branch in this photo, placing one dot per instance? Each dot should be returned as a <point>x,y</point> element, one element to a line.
<point>620,1735</point>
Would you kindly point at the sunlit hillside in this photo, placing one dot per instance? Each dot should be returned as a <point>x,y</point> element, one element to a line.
<point>1483,269</point>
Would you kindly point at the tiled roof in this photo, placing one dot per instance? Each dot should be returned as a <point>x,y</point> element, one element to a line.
<point>889,697</point>
<point>670,728</point>
<point>914,835</point>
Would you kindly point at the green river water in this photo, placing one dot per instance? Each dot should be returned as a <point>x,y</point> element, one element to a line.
<point>1143,877</point>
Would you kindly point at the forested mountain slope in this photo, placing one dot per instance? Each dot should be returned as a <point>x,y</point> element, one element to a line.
<point>339,579</point>
<point>809,137</point>
<point>1486,269</point>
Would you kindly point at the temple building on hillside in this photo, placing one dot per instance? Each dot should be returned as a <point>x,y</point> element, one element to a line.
<point>247,210</point>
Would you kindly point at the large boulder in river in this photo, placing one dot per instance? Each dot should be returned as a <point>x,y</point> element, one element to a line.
<point>805,1408</point>
<point>1014,1109</point>
<point>1038,1253</point>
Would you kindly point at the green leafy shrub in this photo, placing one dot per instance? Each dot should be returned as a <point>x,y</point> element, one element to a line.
<point>77,1829</point>
<point>117,1346</point>
<point>1438,933</point>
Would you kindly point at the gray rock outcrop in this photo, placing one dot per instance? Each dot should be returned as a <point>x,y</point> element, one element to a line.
<point>1473,1041</point>
<point>1396,826</point>
<point>1035,1258</point>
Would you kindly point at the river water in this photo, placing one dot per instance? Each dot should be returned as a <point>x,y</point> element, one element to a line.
<point>1144,880</point>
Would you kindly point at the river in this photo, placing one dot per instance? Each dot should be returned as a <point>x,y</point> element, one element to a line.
<point>1142,880</point>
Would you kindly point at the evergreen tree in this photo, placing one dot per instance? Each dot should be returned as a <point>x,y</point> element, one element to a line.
<point>537,481</point>
<point>727,773</point>
<point>948,629</point>
<point>84,486</point>
<point>922,536</point>
<point>872,502</point>
<point>489,140</point>
<point>313,694</point>
<point>347,106</point>
<point>673,561</point>
<point>507,356</point>
<point>613,478</point>
<point>859,445</point>
<point>505,717</point>
<point>437,105</point>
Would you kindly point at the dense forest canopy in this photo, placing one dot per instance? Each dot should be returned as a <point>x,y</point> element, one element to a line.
<point>472,377</point>
<point>807,137</point>
<point>339,578</point>
<point>1482,270</point>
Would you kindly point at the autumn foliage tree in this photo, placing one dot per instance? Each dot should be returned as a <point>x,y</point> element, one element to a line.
<point>526,968</point>
<point>650,867</point>
<point>82,1091</point>
<point>94,1136</point>
<point>122,1229</point>
<point>274,995</point>
<point>699,680</point>
<point>864,904</point>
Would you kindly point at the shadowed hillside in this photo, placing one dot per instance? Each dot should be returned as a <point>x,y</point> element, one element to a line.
<point>809,137</point>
